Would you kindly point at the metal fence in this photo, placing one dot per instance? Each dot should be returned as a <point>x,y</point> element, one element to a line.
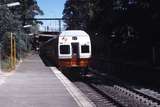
<point>12,50</point>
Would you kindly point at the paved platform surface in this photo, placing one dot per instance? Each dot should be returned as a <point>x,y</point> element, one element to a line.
<point>34,85</point>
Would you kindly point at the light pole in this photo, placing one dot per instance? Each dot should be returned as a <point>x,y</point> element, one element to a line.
<point>26,35</point>
<point>13,40</point>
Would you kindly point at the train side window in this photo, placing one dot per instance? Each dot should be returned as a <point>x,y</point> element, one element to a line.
<point>85,49</point>
<point>64,49</point>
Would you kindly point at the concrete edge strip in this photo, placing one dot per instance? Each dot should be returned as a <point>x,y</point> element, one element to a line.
<point>78,96</point>
<point>2,80</point>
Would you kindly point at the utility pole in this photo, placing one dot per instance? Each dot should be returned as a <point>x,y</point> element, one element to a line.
<point>59,26</point>
<point>23,12</point>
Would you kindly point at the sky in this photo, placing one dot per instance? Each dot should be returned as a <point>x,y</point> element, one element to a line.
<point>51,9</point>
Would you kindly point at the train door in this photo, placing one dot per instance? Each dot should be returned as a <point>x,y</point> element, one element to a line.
<point>75,53</point>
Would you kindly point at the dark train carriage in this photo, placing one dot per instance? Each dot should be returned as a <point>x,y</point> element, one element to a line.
<point>50,50</point>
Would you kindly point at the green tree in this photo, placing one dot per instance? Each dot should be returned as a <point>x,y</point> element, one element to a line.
<point>75,14</point>
<point>130,27</point>
<point>12,19</point>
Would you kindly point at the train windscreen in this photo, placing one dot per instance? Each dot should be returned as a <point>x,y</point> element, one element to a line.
<point>85,49</point>
<point>64,49</point>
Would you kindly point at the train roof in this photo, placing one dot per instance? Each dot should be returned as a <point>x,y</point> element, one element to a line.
<point>74,33</point>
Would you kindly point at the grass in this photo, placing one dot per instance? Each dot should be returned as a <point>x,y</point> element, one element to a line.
<point>5,64</point>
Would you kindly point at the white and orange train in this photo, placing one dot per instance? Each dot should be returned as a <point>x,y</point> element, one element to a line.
<point>70,49</point>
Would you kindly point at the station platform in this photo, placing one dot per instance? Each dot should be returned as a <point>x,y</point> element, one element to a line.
<point>33,84</point>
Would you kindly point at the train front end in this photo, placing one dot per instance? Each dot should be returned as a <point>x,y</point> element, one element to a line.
<point>74,49</point>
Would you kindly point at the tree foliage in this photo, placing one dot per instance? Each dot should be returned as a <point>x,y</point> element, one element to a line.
<point>75,14</point>
<point>12,19</point>
<point>129,27</point>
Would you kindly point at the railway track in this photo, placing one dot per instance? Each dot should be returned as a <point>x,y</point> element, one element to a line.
<point>96,96</point>
<point>108,91</point>
<point>124,97</point>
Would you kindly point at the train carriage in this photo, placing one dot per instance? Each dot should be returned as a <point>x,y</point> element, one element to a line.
<point>74,49</point>
<point>70,49</point>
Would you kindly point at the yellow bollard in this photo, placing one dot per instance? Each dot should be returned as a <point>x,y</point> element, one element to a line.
<point>11,54</point>
<point>14,52</point>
